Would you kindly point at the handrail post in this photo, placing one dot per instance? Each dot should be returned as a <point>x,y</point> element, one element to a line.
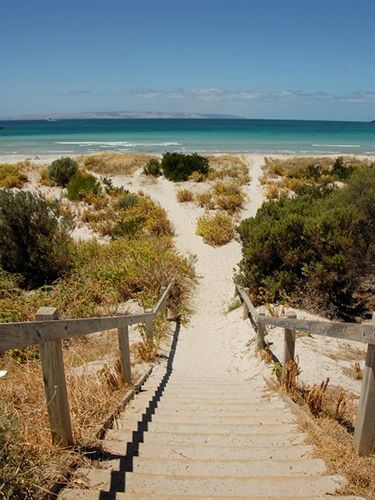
<point>124,348</point>
<point>261,331</point>
<point>364,434</point>
<point>245,311</point>
<point>149,327</point>
<point>289,343</point>
<point>51,356</point>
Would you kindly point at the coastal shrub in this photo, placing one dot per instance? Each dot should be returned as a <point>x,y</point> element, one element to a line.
<point>197,177</point>
<point>316,244</point>
<point>184,195</point>
<point>179,167</point>
<point>62,170</point>
<point>34,239</point>
<point>206,200</point>
<point>153,167</point>
<point>216,230</point>
<point>11,176</point>
<point>228,196</point>
<point>81,185</point>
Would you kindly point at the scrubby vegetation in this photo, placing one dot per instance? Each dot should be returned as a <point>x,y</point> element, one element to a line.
<point>179,167</point>
<point>226,196</point>
<point>315,247</point>
<point>153,167</point>
<point>184,195</point>
<point>216,230</point>
<point>228,167</point>
<point>34,238</point>
<point>288,176</point>
<point>62,170</point>
<point>11,176</point>
<point>83,185</point>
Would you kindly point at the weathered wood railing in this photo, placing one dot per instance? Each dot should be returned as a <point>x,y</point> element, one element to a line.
<point>49,331</point>
<point>364,434</point>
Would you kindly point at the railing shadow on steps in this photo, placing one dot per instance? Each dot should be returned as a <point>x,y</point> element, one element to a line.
<point>48,331</point>
<point>126,460</point>
<point>364,433</point>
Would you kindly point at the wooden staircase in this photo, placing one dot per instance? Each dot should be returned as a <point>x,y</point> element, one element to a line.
<point>184,437</point>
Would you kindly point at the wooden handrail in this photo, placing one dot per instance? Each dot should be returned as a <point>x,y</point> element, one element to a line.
<point>48,332</point>
<point>364,434</point>
<point>358,332</point>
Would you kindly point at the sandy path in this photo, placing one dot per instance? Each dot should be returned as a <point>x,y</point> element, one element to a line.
<point>212,343</point>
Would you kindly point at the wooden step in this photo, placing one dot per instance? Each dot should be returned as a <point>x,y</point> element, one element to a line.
<point>206,452</point>
<point>282,486</point>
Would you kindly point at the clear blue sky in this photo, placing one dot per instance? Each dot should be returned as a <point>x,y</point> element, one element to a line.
<point>255,58</point>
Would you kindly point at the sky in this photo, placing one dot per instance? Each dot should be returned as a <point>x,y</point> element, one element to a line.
<point>293,59</point>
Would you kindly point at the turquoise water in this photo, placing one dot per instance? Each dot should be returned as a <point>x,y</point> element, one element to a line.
<point>208,135</point>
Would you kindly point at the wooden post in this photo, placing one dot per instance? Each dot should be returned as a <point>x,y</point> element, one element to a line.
<point>289,342</point>
<point>51,356</point>
<point>149,327</point>
<point>364,434</point>
<point>261,343</point>
<point>123,342</point>
<point>245,313</point>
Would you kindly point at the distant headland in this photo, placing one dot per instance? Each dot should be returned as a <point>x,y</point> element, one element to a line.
<point>113,115</point>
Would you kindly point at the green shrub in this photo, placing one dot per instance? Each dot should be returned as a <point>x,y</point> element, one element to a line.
<point>179,167</point>
<point>216,230</point>
<point>318,243</point>
<point>127,201</point>
<point>81,185</point>
<point>34,240</point>
<point>153,167</point>
<point>62,170</point>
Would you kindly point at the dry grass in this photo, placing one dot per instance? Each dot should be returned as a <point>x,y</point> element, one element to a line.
<point>354,371</point>
<point>331,431</point>
<point>30,463</point>
<point>224,195</point>
<point>109,163</point>
<point>229,167</point>
<point>184,195</point>
<point>335,446</point>
<point>216,230</point>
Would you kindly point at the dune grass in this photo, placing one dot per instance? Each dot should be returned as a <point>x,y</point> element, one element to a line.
<point>110,163</point>
<point>12,176</point>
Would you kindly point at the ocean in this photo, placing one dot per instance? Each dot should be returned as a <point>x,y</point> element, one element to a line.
<point>68,137</point>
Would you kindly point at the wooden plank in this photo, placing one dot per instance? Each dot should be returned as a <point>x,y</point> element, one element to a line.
<point>149,326</point>
<point>348,331</point>
<point>246,299</point>
<point>289,343</point>
<point>124,348</point>
<point>51,356</point>
<point>19,335</point>
<point>160,306</point>
<point>364,434</point>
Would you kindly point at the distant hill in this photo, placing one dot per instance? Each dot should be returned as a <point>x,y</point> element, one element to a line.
<point>91,115</point>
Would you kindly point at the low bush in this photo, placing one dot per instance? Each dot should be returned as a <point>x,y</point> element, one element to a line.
<point>81,185</point>
<point>317,244</point>
<point>206,200</point>
<point>184,195</point>
<point>228,196</point>
<point>11,176</point>
<point>216,230</point>
<point>153,167</point>
<point>179,167</point>
<point>34,239</point>
<point>62,170</point>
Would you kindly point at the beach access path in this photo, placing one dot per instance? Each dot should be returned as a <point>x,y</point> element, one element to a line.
<point>205,425</point>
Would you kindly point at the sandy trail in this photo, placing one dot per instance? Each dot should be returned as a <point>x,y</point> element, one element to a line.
<point>213,343</point>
